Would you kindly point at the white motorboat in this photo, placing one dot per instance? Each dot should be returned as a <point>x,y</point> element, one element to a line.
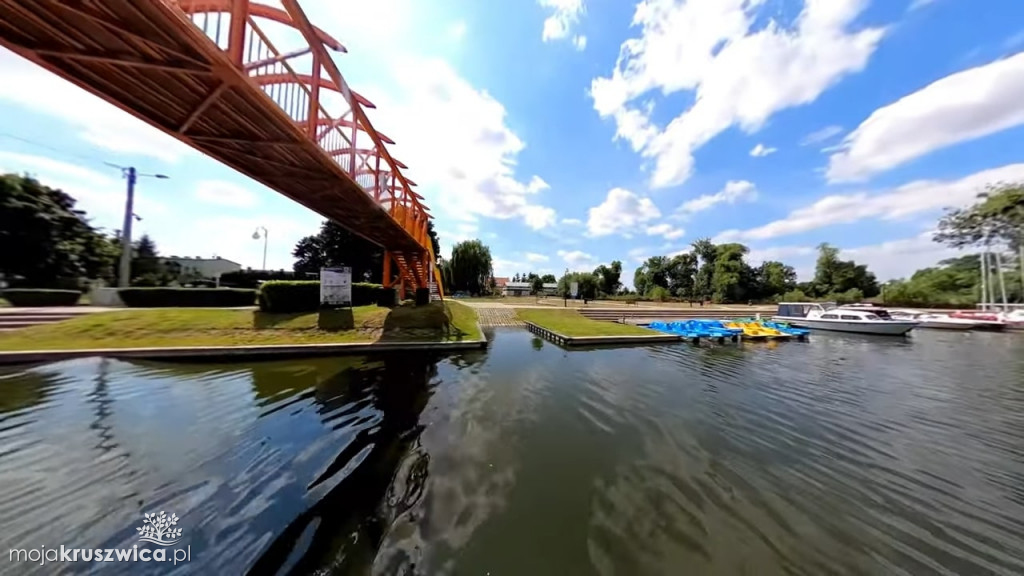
<point>934,321</point>
<point>828,316</point>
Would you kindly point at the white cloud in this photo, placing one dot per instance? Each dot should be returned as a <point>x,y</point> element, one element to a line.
<point>900,258</point>
<point>566,14</point>
<point>572,221</point>
<point>458,30</point>
<point>577,259</point>
<point>906,200</point>
<point>733,192</point>
<point>667,231</point>
<point>92,119</point>
<point>100,194</point>
<point>918,4</point>
<point>741,72</point>
<point>622,212</point>
<point>760,151</point>
<point>224,193</point>
<point>536,258</point>
<point>821,135</point>
<point>960,107</point>
<point>457,145</point>
<point>580,42</point>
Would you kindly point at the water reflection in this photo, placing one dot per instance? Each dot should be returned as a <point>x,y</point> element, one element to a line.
<point>844,455</point>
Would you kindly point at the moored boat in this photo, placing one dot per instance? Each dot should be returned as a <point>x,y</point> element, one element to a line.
<point>829,316</point>
<point>934,321</point>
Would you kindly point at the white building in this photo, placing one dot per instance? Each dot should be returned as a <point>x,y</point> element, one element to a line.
<point>207,268</point>
<point>517,289</point>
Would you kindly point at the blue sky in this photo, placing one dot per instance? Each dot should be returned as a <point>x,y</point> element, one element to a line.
<point>569,133</point>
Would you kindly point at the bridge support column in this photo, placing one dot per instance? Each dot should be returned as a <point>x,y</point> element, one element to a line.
<point>387,270</point>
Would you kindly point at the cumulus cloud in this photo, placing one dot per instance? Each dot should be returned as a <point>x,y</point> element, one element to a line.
<point>734,191</point>
<point>622,212</point>
<point>666,231</point>
<point>906,200</point>
<point>822,135</point>
<point>760,151</point>
<point>565,14</point>
<point>960,107</point>
<point>742,72</point>
<point>536,258</point>
<point>458,146</point>
<point>577,259</point>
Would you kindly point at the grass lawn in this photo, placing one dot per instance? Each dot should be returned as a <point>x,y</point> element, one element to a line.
<point>220,327</point>
<point>570,323</point>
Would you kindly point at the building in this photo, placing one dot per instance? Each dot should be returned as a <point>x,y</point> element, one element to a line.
<point>517,289</point>
<point>205,268</point>
<point>499,284</point>
<point>551,288</point>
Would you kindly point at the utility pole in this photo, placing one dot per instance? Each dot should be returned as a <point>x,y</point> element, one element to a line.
<point>125,268</point>
<point>256,236</point>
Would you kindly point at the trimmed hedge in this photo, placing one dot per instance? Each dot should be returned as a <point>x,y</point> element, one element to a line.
<point>41,297</point>
<point>290,296</point>
<point>304,295</point>
<point>186,297</point>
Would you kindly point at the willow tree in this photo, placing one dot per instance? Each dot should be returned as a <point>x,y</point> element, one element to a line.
<point>470,268</point>
<point>997,218</point>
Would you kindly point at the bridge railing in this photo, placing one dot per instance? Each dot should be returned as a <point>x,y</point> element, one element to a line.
<point>348,139</point>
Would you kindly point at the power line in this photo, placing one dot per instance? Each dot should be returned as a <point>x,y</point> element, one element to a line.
<point>52,149</point>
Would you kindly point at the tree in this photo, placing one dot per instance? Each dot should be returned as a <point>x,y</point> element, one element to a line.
<point>548,279</point>
<point>653,272</point>
<point>704,279</point>
<point>471,267</point>
<point>587,285</point>
<point>608,277</point>
<point>773,279</point>
<point>536,285</point>
<point>732,276</point>
<point>835,276</point>
<point>681,273</point>
<point>336,246</point>
<point>46,241</point>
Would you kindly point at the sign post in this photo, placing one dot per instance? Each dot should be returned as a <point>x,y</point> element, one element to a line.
<point>336,286</point>
<point>574,288</point>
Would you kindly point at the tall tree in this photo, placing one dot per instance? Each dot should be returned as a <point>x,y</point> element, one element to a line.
<point>336,246</point>
<point>732,276</point>
<point>470,267</point>
<point>835,276</point>
<point>681,275</point>
<point>587,284</point>
<point>548,279</point>
<point>608,277</point>
<point>46,240</point>
<point>773,278</point>
<point>651,274</point>
<point>704,281</point>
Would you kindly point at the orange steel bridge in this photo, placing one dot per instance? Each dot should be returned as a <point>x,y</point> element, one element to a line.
<point>206,72</point>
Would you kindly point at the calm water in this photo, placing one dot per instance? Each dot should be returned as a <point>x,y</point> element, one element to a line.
<point>845,455</point>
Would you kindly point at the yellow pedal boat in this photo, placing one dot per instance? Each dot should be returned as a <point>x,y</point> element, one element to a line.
<point>757,331</point>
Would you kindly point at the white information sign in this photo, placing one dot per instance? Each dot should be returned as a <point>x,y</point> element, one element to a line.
<point>574,288</point>
<point>336,286</point>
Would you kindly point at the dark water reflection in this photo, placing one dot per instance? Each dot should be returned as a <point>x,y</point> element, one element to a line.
<point>845,455</point>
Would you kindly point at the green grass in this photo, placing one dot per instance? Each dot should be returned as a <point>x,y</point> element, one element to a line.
<point>168,327</point>
<point>570,323</point>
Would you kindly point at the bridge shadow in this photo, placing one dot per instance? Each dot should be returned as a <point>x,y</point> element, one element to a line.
<point>335,320</point>
<point>431,323</point>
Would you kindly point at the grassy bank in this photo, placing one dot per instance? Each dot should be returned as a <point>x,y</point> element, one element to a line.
<point>570,323</point>
<point>169,327</point>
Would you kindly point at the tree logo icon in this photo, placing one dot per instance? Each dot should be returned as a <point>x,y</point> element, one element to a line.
<point>158,529</point>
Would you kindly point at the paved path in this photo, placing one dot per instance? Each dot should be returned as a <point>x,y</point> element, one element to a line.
<point>494,316</point>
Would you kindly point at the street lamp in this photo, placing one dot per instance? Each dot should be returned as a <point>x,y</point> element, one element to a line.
<point>256,236</point>
<point>131,175</point>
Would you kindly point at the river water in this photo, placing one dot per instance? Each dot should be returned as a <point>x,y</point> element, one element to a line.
<point>842,455</point>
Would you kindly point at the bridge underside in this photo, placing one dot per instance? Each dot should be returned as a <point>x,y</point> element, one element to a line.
<point>150,60</point>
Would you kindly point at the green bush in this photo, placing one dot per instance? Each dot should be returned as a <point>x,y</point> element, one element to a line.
<point>304,295</point>
<point>186,297</point>
<point>41,297</point>
<point>658,294</point>
<point>290,296</point>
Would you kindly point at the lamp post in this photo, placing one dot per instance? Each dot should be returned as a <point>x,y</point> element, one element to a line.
<point>125,269</point>
<point>256,236</point>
